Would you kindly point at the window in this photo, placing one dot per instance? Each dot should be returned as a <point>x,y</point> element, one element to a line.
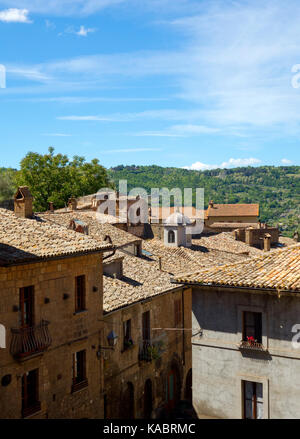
<point>80,293</point>
<point>79,370</point>
<point>27,307</point>
<point>252,327</point>
<point>253,400</point>
<point>171,237</point>
<point>127,340</point>
<point>177,312</point>
<point>30,393</point>
<point>146,326</point>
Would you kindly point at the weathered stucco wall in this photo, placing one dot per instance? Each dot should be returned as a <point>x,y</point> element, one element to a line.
<point>219,367</point>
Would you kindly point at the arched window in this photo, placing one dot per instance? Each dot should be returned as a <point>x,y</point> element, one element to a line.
<point>171,237</point>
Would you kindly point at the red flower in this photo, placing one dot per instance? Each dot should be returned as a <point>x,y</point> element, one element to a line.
<point>250,339</point>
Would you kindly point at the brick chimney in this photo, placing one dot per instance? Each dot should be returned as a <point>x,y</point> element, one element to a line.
<point>23,200</point>
<point>211,203</point>
<point>267,242</point>
<point>51,207</point>
<point>72,203</point>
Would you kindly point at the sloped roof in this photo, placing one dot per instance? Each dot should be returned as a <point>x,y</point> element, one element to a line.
<point>176,260</point>
<point>24,240</point>
<point>141,280</point>
<point>279,270</point>
<point>233,210</point>
<point>162,213</point>
<point>97,229</point>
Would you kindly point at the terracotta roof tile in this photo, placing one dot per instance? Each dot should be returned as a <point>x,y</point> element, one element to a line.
<point>96,228</point>
<point>278,270</point>
<point>218,210</point>
<point>29,239</point>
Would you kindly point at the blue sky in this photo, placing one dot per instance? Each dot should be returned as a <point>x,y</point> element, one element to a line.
<point>186,83</point>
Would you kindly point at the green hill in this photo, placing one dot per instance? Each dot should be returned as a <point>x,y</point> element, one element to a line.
<point>276,189</point>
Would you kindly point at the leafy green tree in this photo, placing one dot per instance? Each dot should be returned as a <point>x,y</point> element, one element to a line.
<point>55,178</point>
<point>7,184</point>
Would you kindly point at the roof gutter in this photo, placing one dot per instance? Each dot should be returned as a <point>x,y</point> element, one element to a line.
<point>205,285</point>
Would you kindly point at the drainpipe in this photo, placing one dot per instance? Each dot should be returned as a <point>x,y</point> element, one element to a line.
<point>183,326</point>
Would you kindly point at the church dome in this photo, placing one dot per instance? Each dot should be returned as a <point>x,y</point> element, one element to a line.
<point>177,218</point>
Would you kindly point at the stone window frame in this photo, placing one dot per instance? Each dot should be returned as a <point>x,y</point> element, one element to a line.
<point>239,391</point>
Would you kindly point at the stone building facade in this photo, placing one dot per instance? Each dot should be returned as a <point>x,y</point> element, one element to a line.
<point>246,354</point>
<point>51,305</point>
<point>149,370</point>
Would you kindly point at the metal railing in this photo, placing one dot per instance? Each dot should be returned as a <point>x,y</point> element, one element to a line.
<point>252,345</point>
<point>152,349</point>
<point>30,340</point>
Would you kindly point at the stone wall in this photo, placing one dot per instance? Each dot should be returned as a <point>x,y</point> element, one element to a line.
<point>54,290</point>
<point>124,366</point>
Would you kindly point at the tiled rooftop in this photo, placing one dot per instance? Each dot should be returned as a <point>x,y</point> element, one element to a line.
<point>179,259</point>
<point>233,210</point>
<point>28,239</point>
<point>278,270</point>
<point>97,229</point>
<point>141,280</point>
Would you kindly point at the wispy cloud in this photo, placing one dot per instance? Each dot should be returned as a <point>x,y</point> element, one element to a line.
<point>166,114</point>
<point>50,25</point>
<point>14,15</point>
<point>56,135</point>
<point>81,32</point>
<point>63,7</point>
<point>128,150</point>
<point>231,163</point>
<point>179,131</point>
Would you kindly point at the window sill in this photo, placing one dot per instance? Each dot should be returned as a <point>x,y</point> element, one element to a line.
<point>82,311</point>
<point>252,346</point>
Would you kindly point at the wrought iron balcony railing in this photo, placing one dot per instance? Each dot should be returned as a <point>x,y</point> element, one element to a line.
<point>152,349</point>
<point>30,340</point>
<point>252,345</point>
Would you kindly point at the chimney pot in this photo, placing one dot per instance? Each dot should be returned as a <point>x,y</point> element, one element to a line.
<point>23,203</point>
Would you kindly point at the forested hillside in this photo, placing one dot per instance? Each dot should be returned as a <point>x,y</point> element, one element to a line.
<point>276,189</point>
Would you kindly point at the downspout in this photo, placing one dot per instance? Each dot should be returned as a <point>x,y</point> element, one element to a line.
<point>183,326</point>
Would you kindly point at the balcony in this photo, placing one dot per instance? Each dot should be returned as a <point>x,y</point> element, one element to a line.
<point>30,341</point>
<point>151,349</point>
<point>252,346</point>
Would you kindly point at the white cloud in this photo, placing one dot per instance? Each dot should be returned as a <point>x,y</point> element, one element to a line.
<point>83,32</point>
<point>286,162</point>
<point>179,131</point>
<point>231,163</point>
<point>15,15</point>
<point>63,7</point>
